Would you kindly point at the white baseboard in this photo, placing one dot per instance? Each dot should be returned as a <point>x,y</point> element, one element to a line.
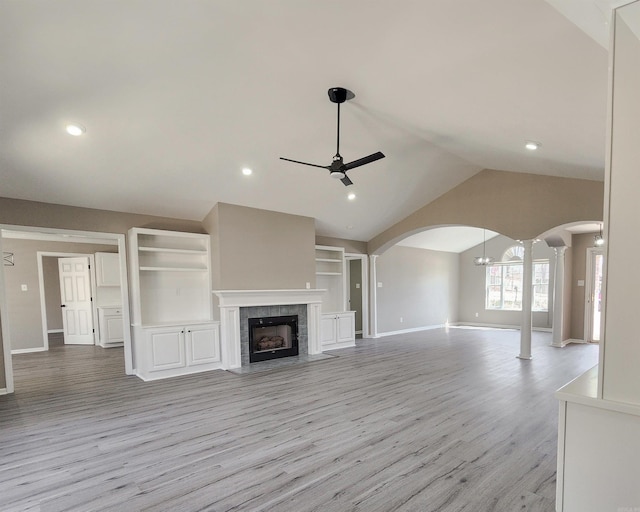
<point>405,331</point>
<point>54,331</point>
<point>28,350</point>
<point>573,340</point>
<point>3,391</point>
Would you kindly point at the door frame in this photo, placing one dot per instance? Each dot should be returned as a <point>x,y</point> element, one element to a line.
<point>588,291</point>
<point>67,235</point>
<point>43,302</point>
<point>364,280</point>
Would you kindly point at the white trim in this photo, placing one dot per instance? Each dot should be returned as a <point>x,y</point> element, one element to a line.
<point>373,277</point>
<point>414,329</point>
<point>54,331</point>
<point>589,286</point>
<point>230,302</point>
<point>4,325</point>
<point>365,289</point>
<point>3,391</point>
<point>574,340</point>
<point>28,350</point>
<point>248,298</point>
<point>43,302</point>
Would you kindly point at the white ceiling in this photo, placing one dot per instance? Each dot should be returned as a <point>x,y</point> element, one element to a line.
<point>177,96</point>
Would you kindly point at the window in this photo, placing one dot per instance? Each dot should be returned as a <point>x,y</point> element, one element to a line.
<point>504,283</point>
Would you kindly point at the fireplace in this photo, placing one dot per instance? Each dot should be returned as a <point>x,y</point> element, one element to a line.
<point>272,337</point>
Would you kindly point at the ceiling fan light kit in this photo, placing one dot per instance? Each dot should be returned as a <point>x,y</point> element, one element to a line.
<point>338,169</point>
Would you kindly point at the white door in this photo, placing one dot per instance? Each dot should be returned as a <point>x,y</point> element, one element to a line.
<point>75,297</point>
<point>593,295</point>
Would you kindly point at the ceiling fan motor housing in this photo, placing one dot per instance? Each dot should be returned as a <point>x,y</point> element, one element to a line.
<point>338,94</point>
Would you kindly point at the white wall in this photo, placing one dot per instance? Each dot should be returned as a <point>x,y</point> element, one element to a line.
<point>472,286</point>
<point>419,286</point>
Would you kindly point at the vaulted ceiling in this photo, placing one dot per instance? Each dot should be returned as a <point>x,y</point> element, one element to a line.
<point>178,96</point>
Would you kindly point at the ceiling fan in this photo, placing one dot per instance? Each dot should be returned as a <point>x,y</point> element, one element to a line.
<point>338,169</point>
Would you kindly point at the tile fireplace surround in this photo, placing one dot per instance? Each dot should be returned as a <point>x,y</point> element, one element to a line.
<point>230,302</point>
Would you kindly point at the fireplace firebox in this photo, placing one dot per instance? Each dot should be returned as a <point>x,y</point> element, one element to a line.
<point>273,337</point>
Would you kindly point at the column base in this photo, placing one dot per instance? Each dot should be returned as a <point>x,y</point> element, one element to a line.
<point>527,358</point>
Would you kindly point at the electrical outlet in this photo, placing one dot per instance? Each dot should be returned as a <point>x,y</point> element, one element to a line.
<point>477,315</point>
<point>24,287</point>
<point>308,286</point>
<point>401,320</point>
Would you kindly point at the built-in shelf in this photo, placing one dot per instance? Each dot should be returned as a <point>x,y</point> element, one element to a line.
<point>330,275</point>
<point>175,251</point>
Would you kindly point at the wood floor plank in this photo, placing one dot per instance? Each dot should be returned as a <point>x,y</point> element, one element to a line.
<point>441,420</point>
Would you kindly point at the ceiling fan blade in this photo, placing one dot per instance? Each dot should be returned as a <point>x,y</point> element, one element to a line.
<point>363,161</point>
<point>346,181</point>
<point>305,163</point>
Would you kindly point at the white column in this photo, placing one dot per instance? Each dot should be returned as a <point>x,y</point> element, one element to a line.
<point>373,287</point>
<point>558,298</point>
<point>527,293</point>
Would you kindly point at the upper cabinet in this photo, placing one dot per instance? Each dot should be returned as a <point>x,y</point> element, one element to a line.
<point>108,269</point>
<point>330,275</point>
<point>170,277</point>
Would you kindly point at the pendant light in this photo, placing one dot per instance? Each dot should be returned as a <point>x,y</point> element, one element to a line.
<point>484,259</point>
<point>598,240</point>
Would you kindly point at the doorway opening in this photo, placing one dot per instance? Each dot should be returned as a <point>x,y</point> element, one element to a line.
<point>115,241</point>
<point>593,295</point>
<point>356,287</point>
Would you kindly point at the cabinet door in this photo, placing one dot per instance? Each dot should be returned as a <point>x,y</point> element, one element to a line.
<point>328,329</point>
<point>345,327</point>
<point>107,269</point>
<point>166,348</point>
<point>114,329</point>
<point>203,344</point>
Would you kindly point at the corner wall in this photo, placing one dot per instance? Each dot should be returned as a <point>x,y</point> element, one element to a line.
<point>419,286</point>
<point>518,205</point>
<point>260,249</point>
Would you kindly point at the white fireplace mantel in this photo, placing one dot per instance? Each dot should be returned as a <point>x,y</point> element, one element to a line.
<point>230,302</point>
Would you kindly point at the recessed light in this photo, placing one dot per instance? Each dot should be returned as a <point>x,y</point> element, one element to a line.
<point>75,129</point>
<point>351,196</point>
<point>532,145</point>
<point>247,172</point>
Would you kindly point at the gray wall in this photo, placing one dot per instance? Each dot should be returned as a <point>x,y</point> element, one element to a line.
<point>355,290</point>
<point>352,246</point>
<point>256,249</point>
<point>472,286</point>
<point>24,311</point>
<point>51,279</point>
<point>419,285</point>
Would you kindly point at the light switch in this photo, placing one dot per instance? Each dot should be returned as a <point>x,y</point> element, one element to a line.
<point>580,282</point>
<point>357,285</point>
<point>379,284</point>
<point>24,287</point>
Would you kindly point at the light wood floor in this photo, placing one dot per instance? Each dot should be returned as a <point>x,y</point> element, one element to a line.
<point>430,421</point>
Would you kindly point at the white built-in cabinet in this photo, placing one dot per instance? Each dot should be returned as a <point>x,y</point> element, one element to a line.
<point>107,268</point>
<point>337,325</point>
<point>173,330</point>
<point>111,327</point>
<point>337,330</point>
